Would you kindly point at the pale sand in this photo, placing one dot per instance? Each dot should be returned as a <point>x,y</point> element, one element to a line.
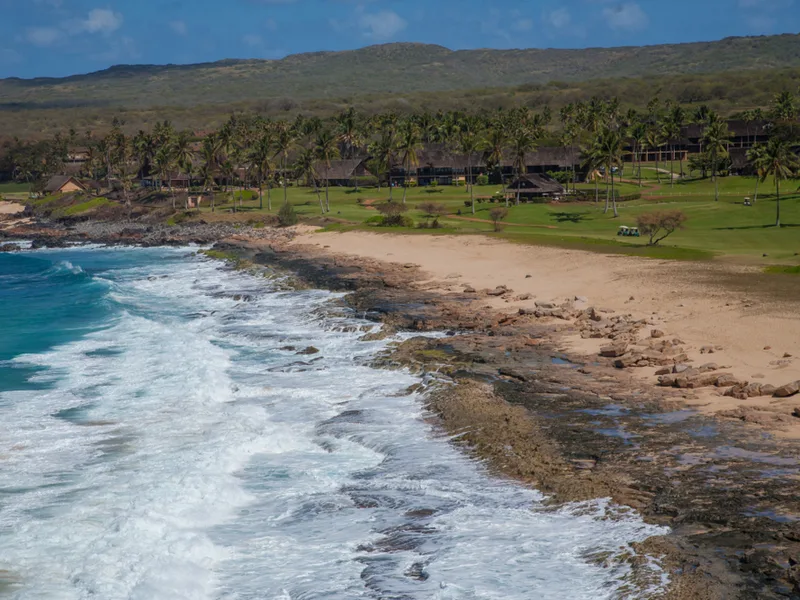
<point>686,301</point>
<point>10,208</point>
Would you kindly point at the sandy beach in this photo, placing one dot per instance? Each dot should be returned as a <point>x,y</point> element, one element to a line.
<point>10,208</point>
<point>751,320</point>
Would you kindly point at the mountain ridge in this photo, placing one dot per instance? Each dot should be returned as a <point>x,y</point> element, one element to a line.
<point>389,69</point>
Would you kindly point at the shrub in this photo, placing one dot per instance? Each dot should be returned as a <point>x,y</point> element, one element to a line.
<point>497,215</point>
<point>429,225</point>
<point>660,224</point>
<point>374,220</point>
<point>287,216</point>
<point>432,209</point>
<point>410,183</point>
<point>482,180</point>
<point>393,215</point>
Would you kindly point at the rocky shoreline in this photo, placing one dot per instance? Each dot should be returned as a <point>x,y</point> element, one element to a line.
<point>574,427</point>
<point>579,429</point>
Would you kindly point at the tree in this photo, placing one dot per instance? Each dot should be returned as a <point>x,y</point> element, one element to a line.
<point>522,143</point>
<point>432,210</point>
<point>382,152</point>
<point>592,161</point>
<point>780,162</point>
<point>469,143</point>
<point>609,147</point>
<point>409,145</point>
<point>305,166</point>
<point>660,224</point>
<point>325,150</point>
<point>287,216</point>
<point>716,138</point>
<point>494,149</point>
<point>497,214</point>
<point>756,157</point>
<point>283,145</point>
<point>393,214</point>
<point>261,160</point>
<point>654,142</point>
<point>165,162</point>
<point>183,155</point>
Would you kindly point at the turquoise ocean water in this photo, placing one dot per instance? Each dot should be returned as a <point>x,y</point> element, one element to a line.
<point>160,439</point>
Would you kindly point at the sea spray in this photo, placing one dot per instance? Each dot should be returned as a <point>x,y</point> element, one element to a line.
<point>172,444</point>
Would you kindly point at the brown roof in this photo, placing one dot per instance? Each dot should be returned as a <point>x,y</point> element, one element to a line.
<point>534,183</point>
<point>343,169</point>
<point>57,182</point>
<point>737,128</point>
<point>550,156</point>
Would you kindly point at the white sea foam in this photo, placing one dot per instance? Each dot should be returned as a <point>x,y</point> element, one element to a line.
<point>184,452</point>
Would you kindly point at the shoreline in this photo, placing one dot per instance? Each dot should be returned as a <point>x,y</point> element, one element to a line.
<point>579,430</point>
<point>582,429</point>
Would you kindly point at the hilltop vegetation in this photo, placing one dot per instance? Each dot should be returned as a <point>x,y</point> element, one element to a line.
<point>735,72</point>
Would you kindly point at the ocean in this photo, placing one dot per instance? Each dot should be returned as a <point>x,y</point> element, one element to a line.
<point>160,438</point>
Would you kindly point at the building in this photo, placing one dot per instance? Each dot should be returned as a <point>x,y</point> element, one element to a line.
<point>63,184</point>
<point>534,185</point>
<point>343,172</point>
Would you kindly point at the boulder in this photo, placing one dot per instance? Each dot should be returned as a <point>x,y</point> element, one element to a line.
<point>664,371</point>
<point>796,412</point>
<point>727,380</point>
<point>632,360</point>
<point>667,380</point>
<point>790,389</point>
<point>522,297</point>
<point>614,350</point>
<point>708,367</point>
<point>680,368</point>
<point>699,380</point>
<point>498,291</point>
<point>656,333</point>
<point>309,350</point>
<point>707,350</point>
<point>547,305</point>
<point>469,290</point>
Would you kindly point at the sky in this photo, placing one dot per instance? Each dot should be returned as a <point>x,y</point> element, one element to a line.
<point>55,38</point>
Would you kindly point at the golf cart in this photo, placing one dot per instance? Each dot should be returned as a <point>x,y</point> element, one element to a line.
<point>747,202</point>
<point>628,231</point>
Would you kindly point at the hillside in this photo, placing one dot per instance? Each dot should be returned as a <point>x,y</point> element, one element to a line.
<point>387,69</point>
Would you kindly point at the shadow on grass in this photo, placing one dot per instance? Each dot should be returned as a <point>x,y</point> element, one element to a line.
<point>569,217</point>
<point>746,227</point>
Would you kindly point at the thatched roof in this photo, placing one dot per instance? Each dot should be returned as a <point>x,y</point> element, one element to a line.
<point>534,183</point>
<point>737,128</point>
<point>343,169</point>
<point>56,182</point>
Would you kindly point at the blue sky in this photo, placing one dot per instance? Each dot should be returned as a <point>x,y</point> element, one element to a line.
<point>63,37</point>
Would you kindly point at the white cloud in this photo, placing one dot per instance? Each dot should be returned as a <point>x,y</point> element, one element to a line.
<point>382,25</point>
<point>252,40</point>
<point>522,25</point>
<point>558,18</point>
<point>43,36</point>
<point>625,16</point>
<point>179,27</point>
<point>100,20</point>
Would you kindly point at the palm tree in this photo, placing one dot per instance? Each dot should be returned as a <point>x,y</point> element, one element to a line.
<point>283,145</point>
<point>639,135</point>
<point>469,143</point>
<point>382,152</point>
<point>522,143</point>
<point>183,155</point>
<point>756,157</point>
<point>654,142</point>
<point>592,162</point>
<point>408,146</point>
<point>784,107</point>
<point>325,150</point>
<point>716,138</point>
<point>494,149</point>
<point>165,161</point>
<point>305,166</point>
<point>610,147</point>
<point>780,162</point>
<point>260,159</point>
<point>348,132</point>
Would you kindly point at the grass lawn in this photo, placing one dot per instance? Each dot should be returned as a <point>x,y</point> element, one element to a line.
<point>713,228</point>
<point>11,187</point>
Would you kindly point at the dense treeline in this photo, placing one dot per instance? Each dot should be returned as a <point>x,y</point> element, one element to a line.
<point>252,151</point>
<point>727,93</point>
